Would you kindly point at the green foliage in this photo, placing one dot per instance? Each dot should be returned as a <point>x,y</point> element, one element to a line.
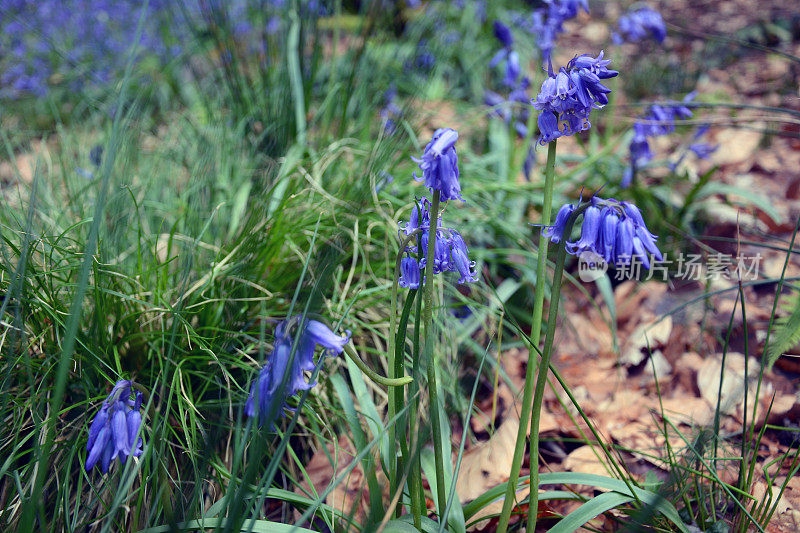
<point>787,331</point>
<point>234,191</point>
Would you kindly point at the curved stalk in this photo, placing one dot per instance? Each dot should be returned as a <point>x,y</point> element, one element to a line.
<point>371,374</point>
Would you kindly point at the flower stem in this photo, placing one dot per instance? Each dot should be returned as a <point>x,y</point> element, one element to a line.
<point>394,372</point>
<point>541,379</point>
<point>371,374</point>
<point>427,322</point>
<point>527,394</point>
<point>417,495</point>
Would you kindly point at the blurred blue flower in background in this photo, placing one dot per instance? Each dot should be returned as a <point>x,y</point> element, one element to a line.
<point>268,393</point>
<point>113,431</point>
<point>660,119</point>
<point>639,24</point>
<point>503,34</point>
<point>78,40</point>
<point>390,112</point>
<point>547,23</point>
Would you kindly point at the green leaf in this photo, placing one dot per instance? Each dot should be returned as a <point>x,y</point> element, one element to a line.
<point>787,333</point>
<point>589,510</point>
<point>404,524</point>
<point>258,526</point>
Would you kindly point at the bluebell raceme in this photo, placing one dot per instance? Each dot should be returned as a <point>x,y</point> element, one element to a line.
<point>114,431</point>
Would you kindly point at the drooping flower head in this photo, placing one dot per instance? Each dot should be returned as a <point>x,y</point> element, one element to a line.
<point>639,24</point>
<point>283,375</point>
<point>568,96</point>
<point>612,229</point>
<point>439,165</point>
<point>113,432</point>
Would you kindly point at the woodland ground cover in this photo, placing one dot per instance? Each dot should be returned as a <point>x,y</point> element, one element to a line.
<point>223,307</point>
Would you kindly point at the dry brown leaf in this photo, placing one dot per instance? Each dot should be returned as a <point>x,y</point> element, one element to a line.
<point>349,495</point>
<point>688,410</point>
<point>585,460</point>
<point>736,145</point>
<point>708,378</point>
<point>487,464</point>
<point>636,301</point>
<point>788,520</point>
<point>593,333</point>
<point>646,337</point>
<point>643,441</point>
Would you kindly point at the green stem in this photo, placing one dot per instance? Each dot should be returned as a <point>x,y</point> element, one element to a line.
<point>427,321</point>
<point>417,494</point>
<point>393,373</point>
<point>541,379</point>
<point>541,260</point>
<point>377,378</point>
<point>527,394</point>
<point>399,397</point>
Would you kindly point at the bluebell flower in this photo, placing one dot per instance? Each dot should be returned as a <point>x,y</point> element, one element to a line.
<point>96,155</point>
<point>460,255</point>
<point>113,432</point>
<point>409,273</point>
<point>61,37</point>
<point>439,165</point>
<point>450,253</point>
<point>639,24</point>
<point>503,34</point>
<point>556,232</point>
<point>590,230</point>
<point>566,98</point>
<point>511,113</point>
<point>385,179</point>
<point>420,217</point>
<point>510,61</point>
<point>660,119</point>
<point>424,60</point>
<point>547,23</point>
<point>277,381</point>
<point>611,229</point>
<point>527,166</point>
<point>495,101</point>
<point>442,260</point>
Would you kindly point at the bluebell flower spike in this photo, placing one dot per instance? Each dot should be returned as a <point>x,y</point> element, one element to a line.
<point>268,394</point>
<point>113,432</point>
<point>439,165</point>
<point>611,229</point>
<point>567,97</point>
<point>639,24</point>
